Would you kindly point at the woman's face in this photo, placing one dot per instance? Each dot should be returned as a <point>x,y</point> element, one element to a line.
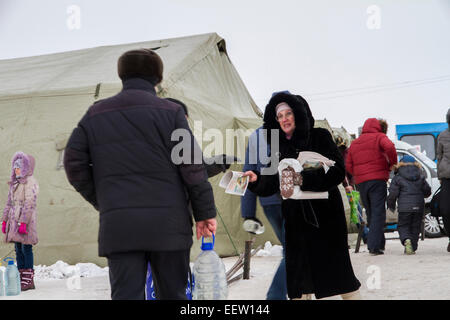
<point>17,171</point>
<point>286,119</point>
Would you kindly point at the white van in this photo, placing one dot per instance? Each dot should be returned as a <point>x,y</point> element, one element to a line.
<point>433,227</point>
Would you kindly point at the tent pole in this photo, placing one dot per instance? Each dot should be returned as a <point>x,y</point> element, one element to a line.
<point>226,229</point>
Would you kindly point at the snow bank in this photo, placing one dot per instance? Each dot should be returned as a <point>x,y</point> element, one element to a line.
<point>62,270</point>
<point>270,250</point>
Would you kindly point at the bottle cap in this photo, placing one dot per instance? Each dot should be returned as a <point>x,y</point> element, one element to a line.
<point>208,245</point>
<point>10,262</point>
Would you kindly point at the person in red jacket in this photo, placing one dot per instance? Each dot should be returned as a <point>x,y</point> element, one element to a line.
<point>369,160</point>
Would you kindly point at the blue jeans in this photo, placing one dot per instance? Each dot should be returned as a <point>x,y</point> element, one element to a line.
<point>278,288</point>
<point>24,256</point>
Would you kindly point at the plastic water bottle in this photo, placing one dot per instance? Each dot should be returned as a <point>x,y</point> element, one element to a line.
<point>2,280</point>
<point>12,279</point>
<point>209,274</point>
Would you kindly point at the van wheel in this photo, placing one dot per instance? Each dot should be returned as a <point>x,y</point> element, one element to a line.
<point>432,227</point>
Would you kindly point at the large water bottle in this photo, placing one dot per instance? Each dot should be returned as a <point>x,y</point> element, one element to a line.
<point>209,274</point>
<point>12,279</point>
<point>2,280</point>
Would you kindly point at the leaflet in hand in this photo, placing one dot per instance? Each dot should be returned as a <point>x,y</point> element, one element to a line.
<point>234,183</point>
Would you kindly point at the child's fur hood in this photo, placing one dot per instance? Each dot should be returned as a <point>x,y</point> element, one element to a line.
<point>404,164</point>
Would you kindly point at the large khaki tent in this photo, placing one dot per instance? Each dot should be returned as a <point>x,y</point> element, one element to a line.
<point>43,97</point>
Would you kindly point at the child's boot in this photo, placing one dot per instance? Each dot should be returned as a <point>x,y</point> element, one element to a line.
<point>21,275</point>
<point>408,247</point>
<point>27,282</point>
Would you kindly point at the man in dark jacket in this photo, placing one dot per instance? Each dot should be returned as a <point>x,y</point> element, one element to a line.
<point>409,187</point>
<point>119,158</point>
<point>369,160</point>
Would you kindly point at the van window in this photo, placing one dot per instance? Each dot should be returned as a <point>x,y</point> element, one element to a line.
<point>426,142</point>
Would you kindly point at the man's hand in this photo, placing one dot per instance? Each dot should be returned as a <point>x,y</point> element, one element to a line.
<point>252,176</point>
<point>206,228</point>
<point>348,189</point>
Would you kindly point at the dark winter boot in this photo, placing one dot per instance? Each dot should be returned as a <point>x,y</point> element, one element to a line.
<point>27,281</point>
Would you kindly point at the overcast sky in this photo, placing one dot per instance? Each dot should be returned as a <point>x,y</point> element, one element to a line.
<point>351,59</point>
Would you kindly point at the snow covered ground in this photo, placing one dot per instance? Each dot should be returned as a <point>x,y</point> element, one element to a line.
<point>391,276</point>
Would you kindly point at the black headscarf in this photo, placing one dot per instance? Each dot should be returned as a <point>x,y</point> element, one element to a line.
<point>304,121</point>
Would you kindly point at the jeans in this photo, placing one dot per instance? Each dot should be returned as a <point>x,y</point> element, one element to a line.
<point>24,256</point>
<point>373,197</point>
<point>278,288</point>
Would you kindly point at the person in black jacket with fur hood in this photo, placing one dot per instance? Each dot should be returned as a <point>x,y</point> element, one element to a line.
<point>409,188</point>
<point>317,256</point>
<point>119,158</point>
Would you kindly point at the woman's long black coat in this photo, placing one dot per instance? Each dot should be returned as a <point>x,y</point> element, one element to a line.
<point>317,258</point>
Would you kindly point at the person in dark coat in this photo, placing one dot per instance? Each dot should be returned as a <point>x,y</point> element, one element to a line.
<point>317,256</point>
<point>443,171</point>
<point>271,206</point>
<point>214,165</point>
<point>119,158</point>
<point>409,187</point>
<point>369,160</point>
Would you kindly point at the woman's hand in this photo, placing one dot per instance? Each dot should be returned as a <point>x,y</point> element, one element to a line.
<point>252,176</point>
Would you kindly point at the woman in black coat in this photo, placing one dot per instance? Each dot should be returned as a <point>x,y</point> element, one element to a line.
<point>317,255</point>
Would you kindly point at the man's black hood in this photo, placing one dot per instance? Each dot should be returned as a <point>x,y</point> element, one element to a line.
<point>304,121</point>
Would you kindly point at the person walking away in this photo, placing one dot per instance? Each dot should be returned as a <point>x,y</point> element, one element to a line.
<point>214,165</point>
<point>19,216</point>
<point>272,209</point>
<point>409,188</point>
<point>120,159</point>
<point>443,168</point>
<point>369,160</point>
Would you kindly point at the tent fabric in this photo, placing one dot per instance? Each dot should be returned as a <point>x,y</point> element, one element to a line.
<point>42,98</point>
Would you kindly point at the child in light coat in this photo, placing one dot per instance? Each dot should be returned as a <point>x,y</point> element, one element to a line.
<point>19,216</point>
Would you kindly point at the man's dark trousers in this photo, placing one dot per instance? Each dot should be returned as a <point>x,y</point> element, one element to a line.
<point>373,196</point>
<point>128,274</point>
<point>445,204</point>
